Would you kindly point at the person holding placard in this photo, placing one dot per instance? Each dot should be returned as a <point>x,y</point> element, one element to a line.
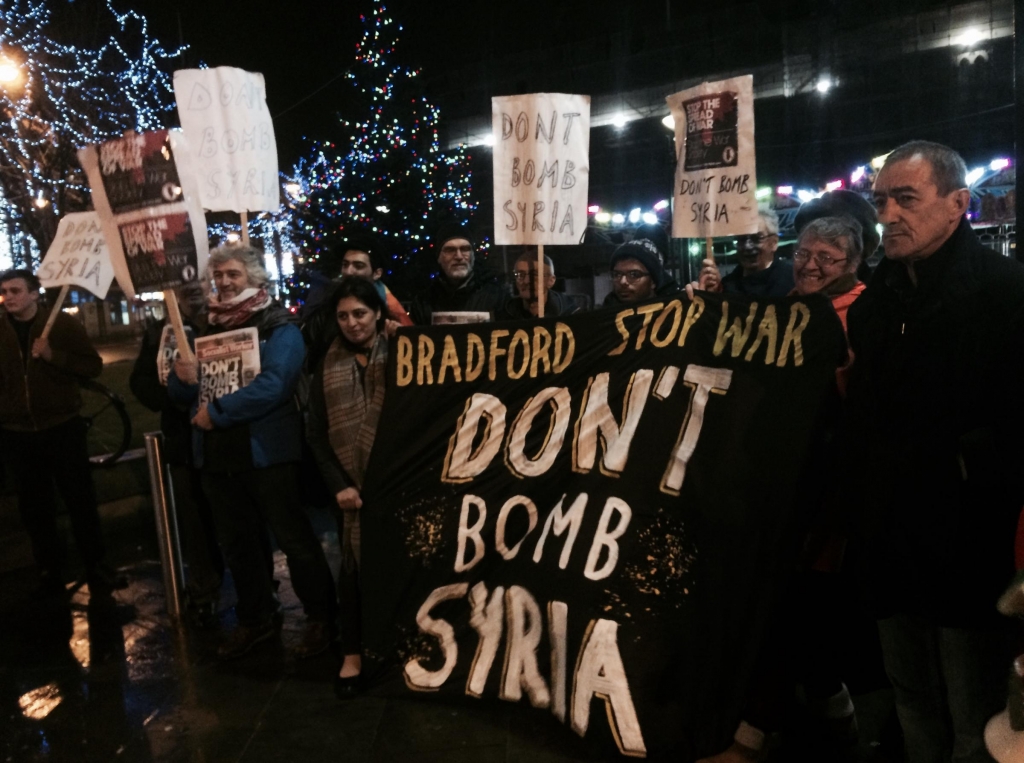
<point>43,436</point>
<point>345,402</point>
<point>759,272</point>
<point>458,287</point>
<point>148,382</point>
<point>525,304</point>
<point>248,443</point>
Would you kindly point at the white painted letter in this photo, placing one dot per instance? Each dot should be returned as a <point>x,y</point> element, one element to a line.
<point>417,677</point>
<point>705,380</point>
<point>604,538</point>
<point>524,631</point>
<point>473,533</point>
<point>597,417</point>
<point>461,464</point>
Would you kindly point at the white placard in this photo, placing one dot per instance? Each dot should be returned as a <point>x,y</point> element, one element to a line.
<point>78,256</point>
<point>224,113</point>
<point>541,168</point>
<point>716,175</point>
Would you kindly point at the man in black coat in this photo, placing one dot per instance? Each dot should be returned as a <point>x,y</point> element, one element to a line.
<point>935,422</point>
<point>459,287</point>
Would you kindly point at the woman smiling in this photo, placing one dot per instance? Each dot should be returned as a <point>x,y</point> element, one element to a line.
<point>826,259</point>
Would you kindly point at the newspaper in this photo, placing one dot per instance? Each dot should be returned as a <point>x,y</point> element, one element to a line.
<point>168,352</point>
<point>227,362</point>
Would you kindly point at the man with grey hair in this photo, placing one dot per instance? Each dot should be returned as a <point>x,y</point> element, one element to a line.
<point>935,418</point>
<point>758,273</point>
<point>248,444</point>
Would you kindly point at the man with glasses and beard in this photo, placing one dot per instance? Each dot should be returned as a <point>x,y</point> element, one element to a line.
<point>759,272</point>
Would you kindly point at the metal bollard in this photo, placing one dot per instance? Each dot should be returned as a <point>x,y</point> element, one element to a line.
<point>166,523</point>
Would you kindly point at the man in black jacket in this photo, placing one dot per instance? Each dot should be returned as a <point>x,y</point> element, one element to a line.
<point>525,304</point>
<point>935,420</point>
<point>458,287</point>
<point>203,559</point>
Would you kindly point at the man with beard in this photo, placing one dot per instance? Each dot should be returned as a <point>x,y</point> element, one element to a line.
<point>458,287</point>
<point>638,273</point>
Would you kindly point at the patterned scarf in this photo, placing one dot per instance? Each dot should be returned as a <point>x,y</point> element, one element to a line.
<point>237,311</point>
<point>354,402</point>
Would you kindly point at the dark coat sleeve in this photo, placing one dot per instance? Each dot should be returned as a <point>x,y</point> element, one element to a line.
<point>145,381</point>
<point>73,353</point>
<point>319,442</point>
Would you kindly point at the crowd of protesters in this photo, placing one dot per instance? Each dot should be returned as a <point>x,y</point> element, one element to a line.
<point>919,485</point>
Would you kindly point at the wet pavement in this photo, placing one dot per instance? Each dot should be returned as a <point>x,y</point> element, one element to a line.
<point>110,678</point>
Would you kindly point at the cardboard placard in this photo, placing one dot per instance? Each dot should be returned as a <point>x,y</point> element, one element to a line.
<point>147,203</point>
<point>716,177</point>
<point>541,168</point>
<point>228,362</point>
<point>224,113</point>
<point>78,256</point>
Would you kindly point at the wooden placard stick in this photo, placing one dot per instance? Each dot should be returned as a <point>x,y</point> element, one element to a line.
<point>55,311</point>
<point>174,316</point>
<point>245,227</point>
<point>542,295</point>
<point>709,248</point>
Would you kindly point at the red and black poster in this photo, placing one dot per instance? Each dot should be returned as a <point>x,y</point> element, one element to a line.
<point>160,250</point>
<point>138,171</point>
<point>587,515</point>
<point>711,131</point>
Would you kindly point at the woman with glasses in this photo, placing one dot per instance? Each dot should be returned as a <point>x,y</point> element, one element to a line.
<point>828,254</point>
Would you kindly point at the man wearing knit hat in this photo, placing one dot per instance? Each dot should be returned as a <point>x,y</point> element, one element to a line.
<point>457,288</point>
<point>638,273</point>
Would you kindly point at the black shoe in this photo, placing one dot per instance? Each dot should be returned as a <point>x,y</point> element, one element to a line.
<point>103,578</point>
<point>346,688</point>
<point>243,638</point>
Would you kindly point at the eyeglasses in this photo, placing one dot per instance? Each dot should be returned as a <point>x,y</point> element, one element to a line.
<point>526,275</point>
<point>629,276</point>
<point>753,239</point>
<point>803,255</point>
<point>450,250</point>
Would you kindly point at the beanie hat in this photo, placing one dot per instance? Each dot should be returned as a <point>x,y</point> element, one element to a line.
<point>838,204</point>
<point>447,231</point>
<point>643,250</point>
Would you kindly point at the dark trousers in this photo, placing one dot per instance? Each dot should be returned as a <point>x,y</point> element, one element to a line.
<point>44,463</point>
<point>947,682</point>
<point>244,505</point>
<point>200,550</point>
<point>350,625</point>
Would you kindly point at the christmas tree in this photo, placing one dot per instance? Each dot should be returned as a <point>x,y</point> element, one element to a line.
<point>57,95</point>
<point>389,178</point>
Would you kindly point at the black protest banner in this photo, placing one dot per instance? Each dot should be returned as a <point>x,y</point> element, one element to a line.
<point>586,514</point>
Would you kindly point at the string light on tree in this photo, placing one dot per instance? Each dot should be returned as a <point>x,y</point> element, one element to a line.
<point>389,177</point>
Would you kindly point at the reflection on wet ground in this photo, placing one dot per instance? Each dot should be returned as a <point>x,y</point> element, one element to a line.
<point>110,678</point>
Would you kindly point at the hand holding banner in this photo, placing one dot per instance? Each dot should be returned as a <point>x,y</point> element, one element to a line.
<point>716,176</point>
<point>224,113</point>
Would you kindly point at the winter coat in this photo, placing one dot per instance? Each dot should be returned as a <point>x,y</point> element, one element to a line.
<point>934,417</point>
<point>475,295</point>
<point>145,385</point>
<point>259,425</point>
<point>774,281</point>
<point>556,304</point>
<point>36,394</point>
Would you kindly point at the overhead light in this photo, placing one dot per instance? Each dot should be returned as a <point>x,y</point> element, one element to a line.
<point>603,217</point>
<point>858,175</point>
<point>634,215</point>
<point>784,190</point>
<point>806,196</point>
<point>999,164</point>
<point>835,185</point>
<point>618,219</point>
<point>970,37</point>
<point>650,218</point>
<point>975,175</point>
<point>762,193</point>
<point>663,204</point>
<point>233,237</point>
<point>669,122</point>
<point>593,209</point>
<point>8,72</point>
<point>824,85</point>
<point>383,209</point>
<point>293,189</point>
<point>489,139</point>
<point>619,120</point>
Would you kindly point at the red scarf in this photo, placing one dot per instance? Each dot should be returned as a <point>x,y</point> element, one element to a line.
<point>237,311</point>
